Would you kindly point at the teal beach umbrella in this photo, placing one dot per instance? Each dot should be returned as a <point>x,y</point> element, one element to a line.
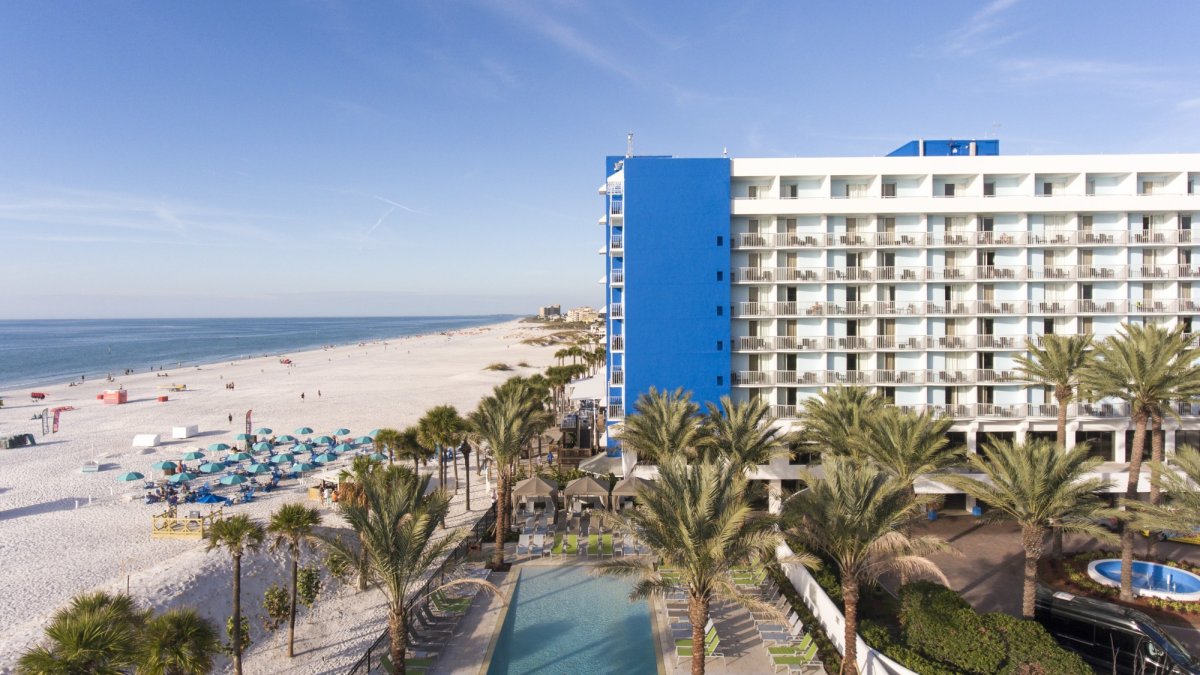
<point>130,476</point>
<point>233,479</point>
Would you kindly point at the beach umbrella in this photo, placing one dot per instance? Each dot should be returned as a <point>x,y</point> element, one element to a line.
<point>210,499</point>
<point>261,446</point>
<point>194,454</point>
<point>342,432</point>
<point>303,466</point>
<point>243,437</point>
<point>212,467</point>
<point>132,475</point>
<point>163,465</point>
<point>342,447</point>
<point>378,457</point>
<point>218,447</point>
<point>239,457</point>
<point>325,457</point>
<point>182,477</point>
<point>364,440</point>
<point>258,468</point>
<point>233,479</point>
<point>265,431</point>
<point>304,430</point>
<point>283,458</point>
<point>286,439</point>
<point>374,433</point>
<point>302,447</point>
<point>323,439</point>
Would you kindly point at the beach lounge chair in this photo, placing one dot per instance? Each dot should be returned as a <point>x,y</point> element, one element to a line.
<point>593,544</point>
<point>776,633</point>
<point>803,658</point>
<point>537,545</point>
<point>450,605</point>
<point>572,547</point>
<point>683,648</point>
<point>606,545</point>
<point>523,545</point>
<point>557,548</point>
<point>682,631</point>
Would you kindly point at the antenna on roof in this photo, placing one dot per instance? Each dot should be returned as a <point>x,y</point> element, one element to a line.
<point>725,152</point>
<point>629,144</point>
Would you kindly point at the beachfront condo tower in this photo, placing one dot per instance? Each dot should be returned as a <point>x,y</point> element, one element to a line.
<point>919,274</point>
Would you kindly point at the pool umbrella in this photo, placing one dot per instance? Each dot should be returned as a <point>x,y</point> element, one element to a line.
<point>132,475</point>
<point>239,457</point>
<point>303,447</point>
<point>304,430</point>
<point>374,433</point>
<point>218,447</point>
<point>286,439</point>
<point>212,467</point>
<point>342,432</point>
<point>323,439</point>
<point>266,431</point>
<point>303,466</point>
<point>233,479</point>
<point>342,447</point>
<point>261,446</point>
<point>378,457</point>
<point>163,465</point>
<point>182,477</point>
<point>194,454</point>
<point>363,440</point>
<point>210,499</point>
<point>258,468</point>
<point>325,457</point>
<point>283,458</point>
<point>243,437</point>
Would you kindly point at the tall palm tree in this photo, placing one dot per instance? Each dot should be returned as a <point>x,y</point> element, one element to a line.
<point>1039,486</point>
<point>237,535</point>
<point>408,446</point>
<point>292,525</point>
<point>96,633</point>
<point>1147,367</point>
<point>699,521</point>
<point>664,425</point>
<point>350,489</point>
<point>396,528</point>
<point>1181,509</point>
<point>830,419</point>
<point>743,433</point>
<point>856,515</point>
<point>178,642</point>
<point>442,428</point>
<point>506,421</point>
<point>388,441</point>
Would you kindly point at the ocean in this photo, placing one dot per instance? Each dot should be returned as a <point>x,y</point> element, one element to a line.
<point>53,352</point>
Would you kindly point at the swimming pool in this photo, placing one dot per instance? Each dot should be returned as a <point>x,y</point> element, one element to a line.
<point>563,619</point>
<point>1149,579</point>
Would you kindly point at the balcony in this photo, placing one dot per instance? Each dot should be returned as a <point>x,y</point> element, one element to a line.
<point>1155,237</point>
<point>951,239</point>
<point>616,310</point>
<point>753,344</point>
<point>1112,272</point>
<point>617,343</point>
<point>785,411</point>
<point>900,240</point>
<point>1002,308</point>
<point>849,274</point>
<point>1001,238</point>
<point>786,240</point>
<point>616,376</point>
<point>1052,273</point>
<point>997,376</point>
<point>1152,271</point>
<point>1103,307</point>
<point>950,273</point>
<point>617,277</point>
<point>852,240</point>
<point>753,240</point>
<point>752,378</point>
<point>616,244</point>
<point>1052,307</point>
<point>1110,238</point>
<point>1053,238</point>
<point>992,272</point>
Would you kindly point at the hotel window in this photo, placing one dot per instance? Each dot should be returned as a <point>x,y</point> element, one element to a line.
<point>987,223</point>
<point>889,189</point>
<point>1085,325</point>
<point>855,190</point>
<point>752,192</point>
<point>1047,189</point>
<point>791,191</point>
<point>1085,291</point>
<point>948,189</point>
<point>989,189</point>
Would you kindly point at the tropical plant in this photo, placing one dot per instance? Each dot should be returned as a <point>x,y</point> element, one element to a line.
<point>442,428</point>
<point>408,446</point>
<point>237,535</point>
<point>1039,486</point>
<point>276,606</point>
<point>830,419</point>
<point>743,433</point>
<point>350,489</point>
<point>698,520</point>
<point>1180,511</point>
<point>178,642</point>
<point>292,525</point>
<point>96,633</point>
<point>664,425</point>
<point>387,441</point>
<point>855,515</point>
<point>308,585</point>
<point>396,528</point>
<point>907,445</point>
<point>1147,367</point>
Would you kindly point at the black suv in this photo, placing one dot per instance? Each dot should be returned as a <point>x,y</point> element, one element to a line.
<point>1112,638</point>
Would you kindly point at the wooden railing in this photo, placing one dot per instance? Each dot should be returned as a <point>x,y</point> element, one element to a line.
<point>170,524</point>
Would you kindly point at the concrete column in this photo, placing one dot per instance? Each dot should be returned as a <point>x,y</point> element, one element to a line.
<point>973,440</point>
<point>774,496</point>
<point>1072,428</point>
<point>1169,440</point>
<point>1119,452</point>
<point>1020,432</point>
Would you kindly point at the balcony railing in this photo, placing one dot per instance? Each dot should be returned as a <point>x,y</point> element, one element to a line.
<point>617,277</point>
<point>616,310</point>
<point>618,343</point>
<point>1014,411</point>
<point>616,244</point>
<point>616,376</point>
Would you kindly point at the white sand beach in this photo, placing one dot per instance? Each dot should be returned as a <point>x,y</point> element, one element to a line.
<point>63,532</point>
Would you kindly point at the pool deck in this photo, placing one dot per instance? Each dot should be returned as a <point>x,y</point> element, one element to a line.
<point>475,636</point>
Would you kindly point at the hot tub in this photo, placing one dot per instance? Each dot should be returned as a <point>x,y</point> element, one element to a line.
<point>1150,580</point>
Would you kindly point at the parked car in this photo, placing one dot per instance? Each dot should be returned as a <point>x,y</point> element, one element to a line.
<point>1112,638</point>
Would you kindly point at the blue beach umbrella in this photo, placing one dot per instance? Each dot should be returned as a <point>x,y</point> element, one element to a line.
<point>325,458</point>
<point>342,432</point>
<point>266,431</point>
<point>243,437</point>
<point>374,433</point>
<point>303,466</point>
<point>218,447</point>
<point>304,430</point>
<point>210,499</point>
<point>286,439</point>
<point>163,465</point>
<point>261,446</point>
<point>302,447</point>
<point>130,476</point>
<point>193,455</point>
<point>212,467</point>
<point>258,468</point>
<point>182,477</point>
<point>323,439</point>
<point>283,458</point>
<point>364,440</point>
<point>239,457</point>
<point>233,479</point>
<point>378,457</point>
<point>342,447</point>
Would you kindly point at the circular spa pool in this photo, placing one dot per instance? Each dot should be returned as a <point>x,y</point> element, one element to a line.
<point>1150,580</point>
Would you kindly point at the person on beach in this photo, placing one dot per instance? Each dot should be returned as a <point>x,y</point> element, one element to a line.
<point>231,418</point>
<point>318,393</point>
<point>301,396</point>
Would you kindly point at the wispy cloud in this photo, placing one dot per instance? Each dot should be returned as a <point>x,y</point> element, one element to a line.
<point>985,29</point>
<point>398,205</point>
<point>1051,70</point>
<point>1188,104</point>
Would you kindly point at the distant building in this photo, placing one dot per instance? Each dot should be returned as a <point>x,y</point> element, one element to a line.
<point>582,314</point>
<point>549,311</point>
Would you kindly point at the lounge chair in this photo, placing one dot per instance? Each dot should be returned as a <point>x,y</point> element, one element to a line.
<point>683,648</point>
<point>606,545</point>
<point>594,544</point>
<point>572,547</point>
<point>523,545</point>
<point>803,658</point>
<point>557,548</point>
<point>537,545</point>
<point>774,632</point>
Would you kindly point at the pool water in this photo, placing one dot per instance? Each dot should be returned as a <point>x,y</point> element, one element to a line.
<point>1150,579</point>
<point>567,620</point>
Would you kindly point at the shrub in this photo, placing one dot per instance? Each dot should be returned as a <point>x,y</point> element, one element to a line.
<point>308,585</point>
<point>499,366</point>
<point>276,606</point>
<point>1030,649</point>
<point>524,364</point>
<point>245,633</point>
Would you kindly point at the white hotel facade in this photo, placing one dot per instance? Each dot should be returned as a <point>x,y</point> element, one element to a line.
<point>920,275</point>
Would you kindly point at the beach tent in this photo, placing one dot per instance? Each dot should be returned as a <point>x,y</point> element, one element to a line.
<point>630,487</point>
<point>534,489</point>
<point>602,465</point>
<point>586,487</point>
<point>145,440</point>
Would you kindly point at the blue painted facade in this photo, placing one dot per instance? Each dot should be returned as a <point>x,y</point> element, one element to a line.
<point>675,262</point>
<point>946,148</point>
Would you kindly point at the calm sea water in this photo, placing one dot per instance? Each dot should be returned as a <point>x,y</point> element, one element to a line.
<point>44,352</point>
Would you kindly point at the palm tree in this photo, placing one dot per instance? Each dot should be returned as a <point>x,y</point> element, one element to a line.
<point>350,489</point>
<point>1039,486</point>
<point>408,446</point>
<point>831,418</point>
<point>907,445</point>
<point>505,421</point>
<point>237,535</point>
<point>293,526</point>
<point>664,425</point>
<point>699,521</point>
<point>744,433</point>
<point>442,428</point>
<point>856,515</point>
<point>388,441</point>
<point>1147,367</point>
<point>97,633</point>
<point>178,642</point>
<point>1181,509</point>
<point>396,528</point>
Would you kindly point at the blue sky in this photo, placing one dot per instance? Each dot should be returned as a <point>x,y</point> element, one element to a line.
<point>350,158</point>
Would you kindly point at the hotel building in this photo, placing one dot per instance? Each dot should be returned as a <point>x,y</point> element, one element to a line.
<point>920,274</point>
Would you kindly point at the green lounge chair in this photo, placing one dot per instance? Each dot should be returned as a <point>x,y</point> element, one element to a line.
<point>799,662</point>
<point>557,549</point>
<point>593,544</point>
<point>712,641</point>
<point>606,545</point>
<point>572,547</point>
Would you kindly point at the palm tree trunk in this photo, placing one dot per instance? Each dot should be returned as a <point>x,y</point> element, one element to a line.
<point>698,614</point>
<point>454,461</point>
<point>1156,458</point>
<point>1032,539</point>
<point>362,568</point>
<point>292,609</point>
<point>1056,543</point>
<point>501,525</point>
<point>1063,398</point>
<point>1131,491</point>
<point>237,614</point>
<point>398,639</point>
<point>850,599</point>
<point>467,475</point>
